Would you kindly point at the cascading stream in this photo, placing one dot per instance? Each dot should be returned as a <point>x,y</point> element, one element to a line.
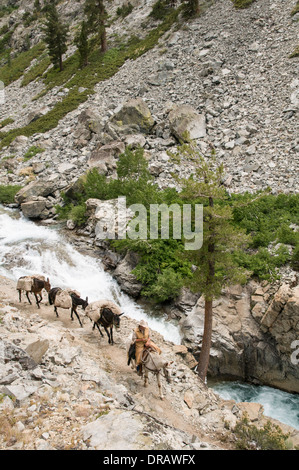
<point>26,248</point>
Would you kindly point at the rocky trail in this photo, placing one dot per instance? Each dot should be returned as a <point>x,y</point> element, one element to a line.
<point>79,393</point>
<point>67,407</point>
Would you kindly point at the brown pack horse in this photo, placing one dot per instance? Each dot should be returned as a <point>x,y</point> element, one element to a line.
<point>37,285</point>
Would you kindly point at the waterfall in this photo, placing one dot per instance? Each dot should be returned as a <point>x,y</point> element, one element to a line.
<point>27,248</point>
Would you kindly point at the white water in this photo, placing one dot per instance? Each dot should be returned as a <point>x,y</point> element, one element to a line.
<point>26,248</point>
<point>277,404</point>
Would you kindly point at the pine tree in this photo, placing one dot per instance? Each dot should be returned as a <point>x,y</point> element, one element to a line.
<point>214,260</point>
<point>55,36</point>
<point>96,20</point>
<point>82,44</point>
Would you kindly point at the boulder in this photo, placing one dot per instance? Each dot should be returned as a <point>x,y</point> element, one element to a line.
<point>186,124</point>
<point>104,157</point>
<point>33,209</point>
<point>134,113</point>
<point>35,189</point>
<point>126,278</point>
<point>107,219</point>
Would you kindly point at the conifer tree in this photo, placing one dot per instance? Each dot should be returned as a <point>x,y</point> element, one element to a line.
<point>55,36</point>
<point>82,44</point>
<point>96,20</point>
<point>214,260</point>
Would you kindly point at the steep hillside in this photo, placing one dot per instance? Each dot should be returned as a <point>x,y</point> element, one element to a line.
<point>231,65</point>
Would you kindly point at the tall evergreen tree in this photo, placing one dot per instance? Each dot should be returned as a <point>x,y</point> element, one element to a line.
<point>214,260</point>
<point>82,44</point>
<point>55,36</point>
<point>96,20</point>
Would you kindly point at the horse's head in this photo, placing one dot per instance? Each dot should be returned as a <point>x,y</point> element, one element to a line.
<point>47,285</point>
<point>85,303</point>
<point>116,319</point>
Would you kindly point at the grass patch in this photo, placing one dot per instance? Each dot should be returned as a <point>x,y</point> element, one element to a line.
<point>100,68</point>
<point>37,70</point>
<point>15,69</point>
<point>31,152</point>
<point>5,122</point>
<point>240,4</point>
<point>295,53</point>
<point>295,9</point>
<point>7,193</point>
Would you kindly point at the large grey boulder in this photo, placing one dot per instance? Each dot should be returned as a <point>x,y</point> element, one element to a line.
<point>104,158</point>
<point>33,209</point>
<point>134,113</point>
<point>124,276</point>
<point>35,189</point>
<point>186,124</point>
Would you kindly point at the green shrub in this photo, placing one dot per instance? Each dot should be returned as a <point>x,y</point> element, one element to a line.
<point>31,152</point>
<point>268,437</point>
<point>5,122</point>
<point>15,69</point>
<point>242,3</point>
<point>167,286</point>
<point>295,9</point>
<point>78,215</point>
<point>7,194</point>
<point>124,10</point>
<point>295,259</point>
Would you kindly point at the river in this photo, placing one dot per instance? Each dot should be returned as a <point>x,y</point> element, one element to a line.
<point>28,248</point>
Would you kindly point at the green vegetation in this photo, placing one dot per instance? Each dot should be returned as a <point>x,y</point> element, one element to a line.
<point>31,152</point>
<point>124,10</point>
<point>101,66</point>
<point>295,9</point>
<point>7,194</point>
<point>268,437</point>
<point>269,221</point>
<point>55,36</point>
<point>295,52</point>
<point>165,265</point>
<point>242,3</point>
<point>15,69</point>
<point>37,70</point>
<point>5,122</point>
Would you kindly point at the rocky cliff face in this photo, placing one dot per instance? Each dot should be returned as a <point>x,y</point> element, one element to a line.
<point>254,334</point>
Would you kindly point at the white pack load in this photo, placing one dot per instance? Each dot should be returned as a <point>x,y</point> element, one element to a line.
<point>25,283</point>
<point>94,309</point>
<point>63,298</point>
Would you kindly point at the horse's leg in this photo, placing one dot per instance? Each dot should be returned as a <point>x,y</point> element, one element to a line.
<point>72,312</point>
<point>56,311</point>
<point>160,386</point>
<point>37,301</point>
<point>20,295</point>
<point>108,334</point>
<point>78,317</point>
<point>145,377</point>
<point>95,324</point>
<point>111,335</point>
<point>27,295</point>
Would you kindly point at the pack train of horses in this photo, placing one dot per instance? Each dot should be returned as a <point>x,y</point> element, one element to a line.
<point>103,313</point>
